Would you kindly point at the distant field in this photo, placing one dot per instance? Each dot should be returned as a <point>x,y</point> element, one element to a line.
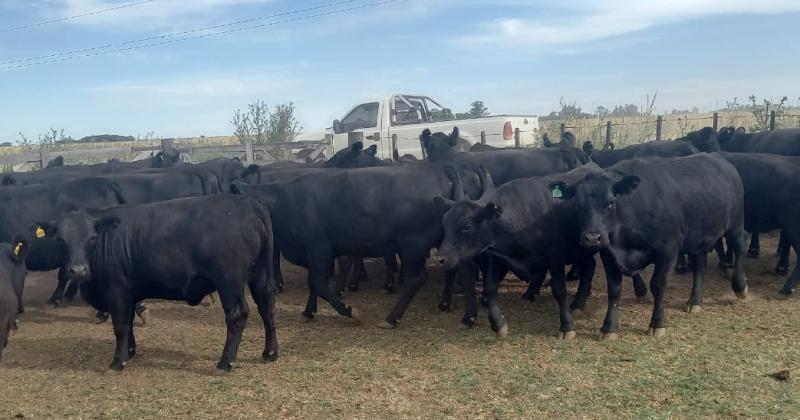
<point>715,364</point>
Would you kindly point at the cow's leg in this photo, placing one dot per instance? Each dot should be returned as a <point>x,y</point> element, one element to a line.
<point>739,281</point>
<point>391,272</point>
<point>468,275</point>
<point>447,293</point>
<point>276,267</point>
<point>784,248</point>
<point>318,274</point>
<point>658,287</point>
<point>236,313</point>
<point>574,273</point>
<point>681,267</point>
<point>534,285</point>
<point>265,301</point>
<point>121,311</point>
<point>725,259</point>
<point>58,294</point>
<point>587,268</point>
<point>639,287</point>
<point>696,299</point>
<point>495,273</point>
<point>610,329</point>
<point>790,287</point>
<point>72,290</point>
<point>358,275</point>
<point>414,275</point>
<point>558,285</point>
<point>755,247</point>
<point>344,265</point>
<point>311,303</point>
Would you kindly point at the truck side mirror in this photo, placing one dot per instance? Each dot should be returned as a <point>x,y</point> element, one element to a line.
<point>337,127</point>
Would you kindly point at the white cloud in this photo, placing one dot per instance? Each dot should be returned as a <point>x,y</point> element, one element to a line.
<point>594,20</point>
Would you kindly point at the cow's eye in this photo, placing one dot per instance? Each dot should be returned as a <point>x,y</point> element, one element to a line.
<point>610,206</point>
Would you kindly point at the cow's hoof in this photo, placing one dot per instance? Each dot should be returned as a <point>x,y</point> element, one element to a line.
<point>693,309</point>
<point>566,336</point>
<point>386,325</point>
<point>787,292</point>
<point>144,316</point>
<point>640,299</point>
<point>15,325</point>
<point>307,316</point>
<point>55,303</point>
<point>502,332</point>
<point>225,367</point>
<point>131,352</point>
<point>577,311</point>
<point>657,332</point>
<point>781,271</point>
<point>444,306</point>
<point>112,372</point>
<point>468,322</point>
<point>743,294</point>
<point>352,287</point>
<point>608,336</point>
<point>355,313</point>
<point>115,368</point>
<point>100,318</point>
<point>270,356</point>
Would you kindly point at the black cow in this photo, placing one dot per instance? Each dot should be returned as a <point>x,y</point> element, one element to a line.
<point>156,251</point>
<point>503,164</point>
<point>661,148</point>
<point>186,181</point>
<point>368,212</point>
<point>12,279</point>
<point>779,142</point>
<point>525,229</point>
<point>24,207</point>
<point>771,191</point>
<point>567,140</point>
<point>648,211</point>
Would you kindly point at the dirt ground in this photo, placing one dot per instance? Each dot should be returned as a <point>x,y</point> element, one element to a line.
<point>713,364</point>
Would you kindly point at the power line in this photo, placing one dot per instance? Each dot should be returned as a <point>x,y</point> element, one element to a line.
<point>174,34</point>
<point>96,12</point>
<point>172,41</point>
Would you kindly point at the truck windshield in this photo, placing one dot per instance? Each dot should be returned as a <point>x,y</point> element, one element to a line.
<point>363,116</point>
<point>408,111</point>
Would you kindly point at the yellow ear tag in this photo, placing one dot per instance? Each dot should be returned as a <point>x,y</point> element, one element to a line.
<point>40,233</point>
<point>17,249</point>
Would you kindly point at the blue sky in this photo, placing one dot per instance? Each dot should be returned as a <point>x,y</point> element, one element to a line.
<point>518,56</point>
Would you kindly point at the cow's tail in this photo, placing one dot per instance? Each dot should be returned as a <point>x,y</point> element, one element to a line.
<point>268,247</point>
<point>117,190</point>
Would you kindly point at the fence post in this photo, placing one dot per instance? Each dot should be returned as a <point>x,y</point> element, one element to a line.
<point>715,121</point>
<point>355,136</point>
<point>562,129</point>
<point>44,156</point>
<point>249,156</point>
<point>395,153</point>
<point>483,137</point>
<point>517,139</point>
<point>608,135</point>
<point>168,145</point>
<point>329,142</point>
<point>659,123</point>
<point>422,146</point>
<point>772,121</point>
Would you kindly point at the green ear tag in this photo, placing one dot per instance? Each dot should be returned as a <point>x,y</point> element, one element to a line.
<point>557,192</point>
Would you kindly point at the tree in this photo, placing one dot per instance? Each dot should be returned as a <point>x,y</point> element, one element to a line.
<point>601,112</point>
<point>263,125</point>
<point>283,126</point>
<point>478,110</point>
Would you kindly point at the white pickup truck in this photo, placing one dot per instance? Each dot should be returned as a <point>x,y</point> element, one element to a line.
<point>406,116</point>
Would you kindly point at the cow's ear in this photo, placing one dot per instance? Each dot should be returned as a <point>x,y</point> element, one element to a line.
<point>425,137</point>
<point>561,190</point>
<point>372,150</point>
<point>568,139</point>
<point>357,147</point>
<point>443,202</point>
<point>739,131</point>
<point>9,180</point>
<point>626,185</point>
<point>19,249</point>
<point>453,139</point>
<point>490,211</point>
<point>43,229</point>
<point>106,224</point>
<point>588,147</point>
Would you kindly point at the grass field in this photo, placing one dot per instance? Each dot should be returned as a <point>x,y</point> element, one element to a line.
<point>713,364</point>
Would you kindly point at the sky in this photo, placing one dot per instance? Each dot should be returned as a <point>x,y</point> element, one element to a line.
<point>519,57</point>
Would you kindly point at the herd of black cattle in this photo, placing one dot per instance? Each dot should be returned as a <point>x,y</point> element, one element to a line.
<point>162,229</point>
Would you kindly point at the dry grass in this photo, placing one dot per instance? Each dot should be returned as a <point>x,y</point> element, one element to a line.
<point>713,364</point>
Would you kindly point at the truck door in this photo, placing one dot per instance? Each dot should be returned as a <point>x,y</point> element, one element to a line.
<point>363,118</point>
